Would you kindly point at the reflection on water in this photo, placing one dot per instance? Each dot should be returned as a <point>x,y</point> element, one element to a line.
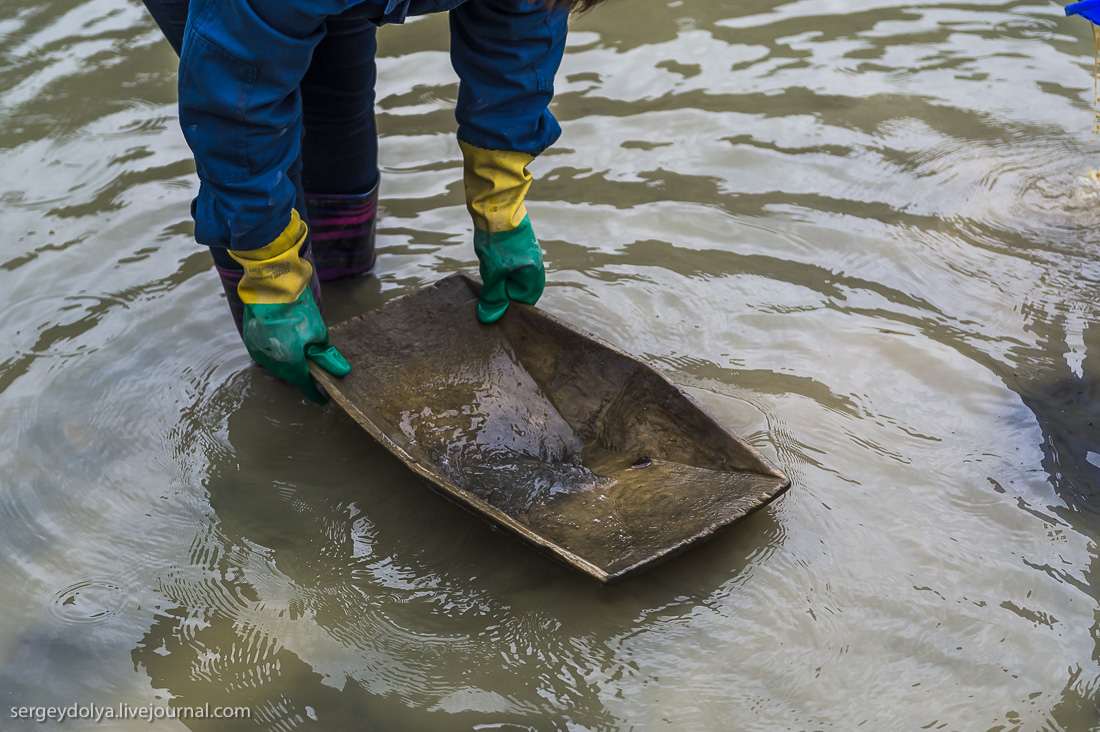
<point>863,236</point>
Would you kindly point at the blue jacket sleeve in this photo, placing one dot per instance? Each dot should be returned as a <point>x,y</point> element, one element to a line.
<point>506,53</point>
<point>240,111</point>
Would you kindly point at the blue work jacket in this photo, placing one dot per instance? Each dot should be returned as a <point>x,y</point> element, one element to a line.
<point>241,110</point>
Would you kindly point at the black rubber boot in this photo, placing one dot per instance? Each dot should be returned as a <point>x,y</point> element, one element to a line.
<point>342,230</point>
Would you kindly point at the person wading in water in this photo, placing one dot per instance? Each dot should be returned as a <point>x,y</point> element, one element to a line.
<point>276,101</point>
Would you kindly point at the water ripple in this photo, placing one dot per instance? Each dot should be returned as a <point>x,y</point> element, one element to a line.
<point>863,237</point>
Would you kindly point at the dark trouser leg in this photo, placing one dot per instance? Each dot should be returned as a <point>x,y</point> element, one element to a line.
<point>171,16</point>
<point>340,146</point>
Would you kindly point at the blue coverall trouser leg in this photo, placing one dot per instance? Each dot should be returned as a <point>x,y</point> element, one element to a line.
<point>339,141</point>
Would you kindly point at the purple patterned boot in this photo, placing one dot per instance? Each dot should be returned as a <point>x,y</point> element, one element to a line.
<point>231,272</point>
<point>342,229</point>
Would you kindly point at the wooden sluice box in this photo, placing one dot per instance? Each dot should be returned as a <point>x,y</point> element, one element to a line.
<point>573,445</point>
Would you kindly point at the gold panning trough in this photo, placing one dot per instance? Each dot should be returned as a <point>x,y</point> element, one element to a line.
<point>571,444</point>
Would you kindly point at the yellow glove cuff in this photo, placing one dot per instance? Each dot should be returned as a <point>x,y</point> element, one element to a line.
<point>275,273</point>
<point>496,184</point>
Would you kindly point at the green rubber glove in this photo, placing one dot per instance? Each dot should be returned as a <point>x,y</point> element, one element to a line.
<point>282,324</point>
<point>281,337</point>
<point>496,183</point>
<point>511,269</point>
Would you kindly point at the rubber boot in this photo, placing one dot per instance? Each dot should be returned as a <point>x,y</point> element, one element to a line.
<point>230,273</point>
<point>342,230</point>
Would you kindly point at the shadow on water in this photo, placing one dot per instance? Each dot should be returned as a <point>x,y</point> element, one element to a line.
<point>346,594</point>
<point>1066,406</point>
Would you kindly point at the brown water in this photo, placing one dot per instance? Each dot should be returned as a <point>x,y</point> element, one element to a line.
<point>860,233</point>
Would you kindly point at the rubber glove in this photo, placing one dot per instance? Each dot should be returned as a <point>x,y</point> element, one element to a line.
<point>509,254</point>
<point>282,325</point>
<point>511,269</point>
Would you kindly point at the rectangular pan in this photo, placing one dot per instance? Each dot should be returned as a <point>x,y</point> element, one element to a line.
<point>576,447</point>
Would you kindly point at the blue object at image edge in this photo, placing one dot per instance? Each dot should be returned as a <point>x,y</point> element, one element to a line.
<point>1087,9</point>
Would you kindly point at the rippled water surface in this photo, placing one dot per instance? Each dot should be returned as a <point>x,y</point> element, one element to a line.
<point>862,233</point>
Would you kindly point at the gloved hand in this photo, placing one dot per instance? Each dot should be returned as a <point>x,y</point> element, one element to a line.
<point>510,255</point>
<point>282,325</point>
<point>511,269</point>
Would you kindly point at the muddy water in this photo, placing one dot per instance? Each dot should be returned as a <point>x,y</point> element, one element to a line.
<point>861,233</point>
